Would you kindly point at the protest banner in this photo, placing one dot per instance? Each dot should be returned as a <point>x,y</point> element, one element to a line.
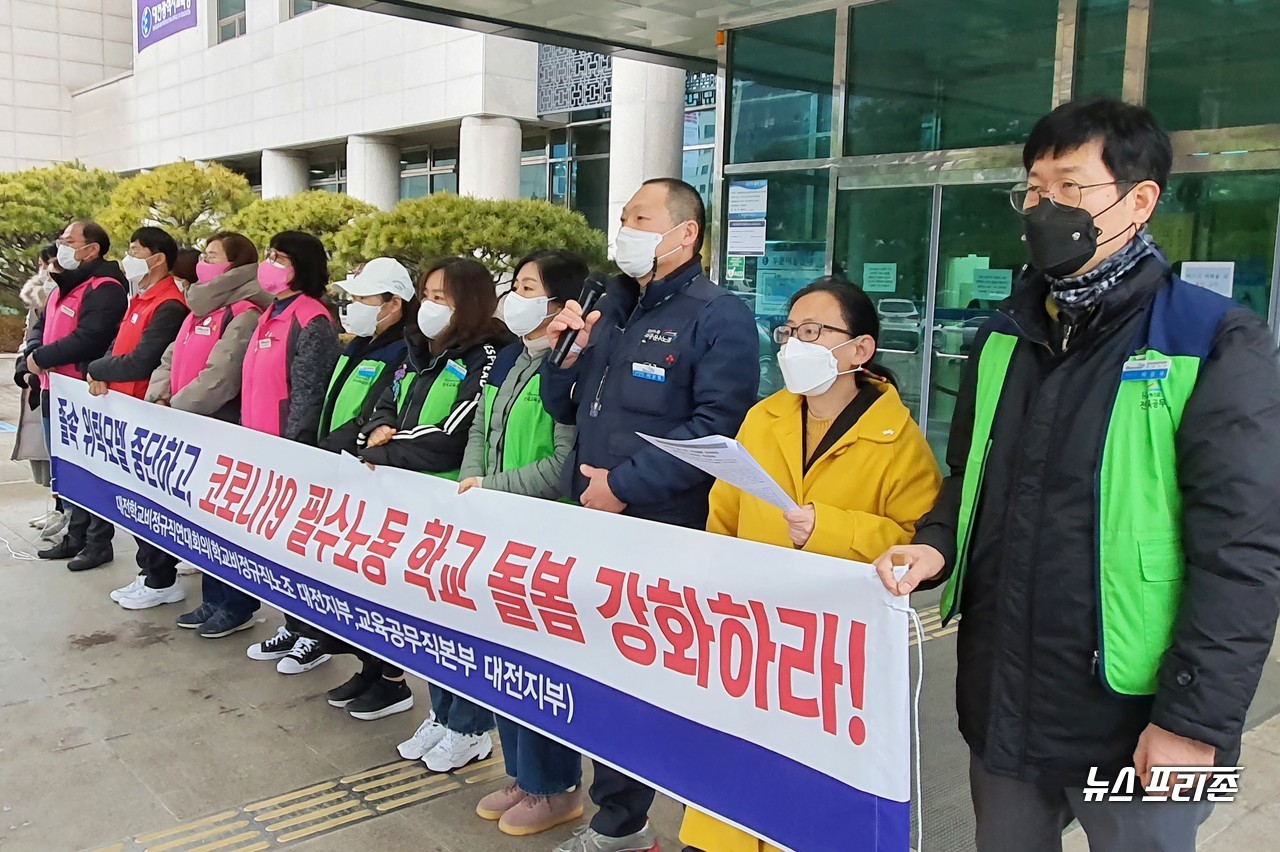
<point>766,686</point>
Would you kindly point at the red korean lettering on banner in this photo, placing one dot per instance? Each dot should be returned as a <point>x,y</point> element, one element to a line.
<point>429,551</point>
<point>817,656</point>
<point>453,578</point>
<point>632,639</point>
<point>383,547</point>
<point>217,483</point>
<point>309,519</point>
<point>507,585</point>
<point>746,628</point>
<point>550,587</point>
<point>684,628</point>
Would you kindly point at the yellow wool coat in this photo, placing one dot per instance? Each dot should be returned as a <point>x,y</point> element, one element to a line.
<point>868,491</point>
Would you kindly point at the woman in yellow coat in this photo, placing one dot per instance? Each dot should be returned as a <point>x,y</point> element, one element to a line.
<point>843,445</point>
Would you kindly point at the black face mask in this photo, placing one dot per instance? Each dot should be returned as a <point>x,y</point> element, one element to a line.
<point>1060,241</point>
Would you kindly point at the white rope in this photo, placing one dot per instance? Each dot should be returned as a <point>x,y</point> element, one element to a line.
<point>915,727</point>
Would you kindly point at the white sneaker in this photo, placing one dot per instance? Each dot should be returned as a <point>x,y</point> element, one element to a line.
<point>304,657</point>
<point>40,521</point>
<point>428,735</point>
<point>456,750</point>
<point>125,591</point>
<point>186,569</point>
<point>275,648</point>
<point>145,597</point>
<point>55,526</point>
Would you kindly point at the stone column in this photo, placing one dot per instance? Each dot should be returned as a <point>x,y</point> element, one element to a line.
<point>373,171</point>
<point>283,173</point>
<point>489,157</point>
<point>646,136</point>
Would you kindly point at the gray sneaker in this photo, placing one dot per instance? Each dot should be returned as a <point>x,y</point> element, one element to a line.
<point>55,526</point>
<point>587,839</point>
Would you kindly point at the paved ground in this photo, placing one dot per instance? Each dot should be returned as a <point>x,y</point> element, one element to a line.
<point>120,731</point>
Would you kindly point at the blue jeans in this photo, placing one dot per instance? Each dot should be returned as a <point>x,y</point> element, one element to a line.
<point>229,599</point>
<point>458,714</point>
<point>541,766</point>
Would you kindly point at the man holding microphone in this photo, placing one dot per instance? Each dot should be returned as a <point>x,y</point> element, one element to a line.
<point>670,354</point>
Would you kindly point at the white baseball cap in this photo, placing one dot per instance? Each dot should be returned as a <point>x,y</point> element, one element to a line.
<point>381,275</point>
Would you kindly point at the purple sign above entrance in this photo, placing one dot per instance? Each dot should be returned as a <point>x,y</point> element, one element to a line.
<point>159,19</point>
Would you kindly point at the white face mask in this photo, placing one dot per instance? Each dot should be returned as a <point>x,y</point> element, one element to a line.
<point>635,251</point>
<point>361,319</point>
<point>434,318</point>
<point>135,268</point>
<point>67,258</point>
<point>523,315</point>
<point>810,369</point>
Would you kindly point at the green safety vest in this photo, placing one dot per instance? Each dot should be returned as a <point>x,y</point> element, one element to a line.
<point>1140,558</point>
<point>530,431</point>
<point>351,397</point>
<point>439,402</point>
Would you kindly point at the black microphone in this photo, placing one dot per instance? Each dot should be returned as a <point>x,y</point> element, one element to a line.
<point>592,289</point>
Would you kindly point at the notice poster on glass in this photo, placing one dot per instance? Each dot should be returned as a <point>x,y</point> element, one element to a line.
<point>992,285</point>
<point>1216,275</point>
<point>880,277</point>
<point>746,238</point>
<point>735,268</point>
<point>748,199</point>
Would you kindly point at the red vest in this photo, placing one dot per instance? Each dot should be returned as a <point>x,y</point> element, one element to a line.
<point>264,391</point>
<point>62,317</point>
<point>142,308</point>
<point>195,342</point>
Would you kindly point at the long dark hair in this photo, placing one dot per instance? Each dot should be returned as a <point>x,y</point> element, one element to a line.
<point>310,261</point>
<point>562,273</point>
<point>860,316</point>
<point>474,294</point>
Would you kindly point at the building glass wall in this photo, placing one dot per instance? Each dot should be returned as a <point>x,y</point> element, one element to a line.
<point>428,170</point>
<point>903,190</point>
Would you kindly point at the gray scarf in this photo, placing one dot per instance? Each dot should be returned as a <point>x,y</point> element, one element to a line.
<point>1082,292</point>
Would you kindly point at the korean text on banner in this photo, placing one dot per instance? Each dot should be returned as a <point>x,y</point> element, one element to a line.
<point>158,19</point>
<point>638,643</point>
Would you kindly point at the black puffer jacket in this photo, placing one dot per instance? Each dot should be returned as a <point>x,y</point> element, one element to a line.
<point>1030,702</point>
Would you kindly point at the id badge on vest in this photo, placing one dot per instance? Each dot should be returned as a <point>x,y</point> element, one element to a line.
<point>1139,369</point>
<point>264,343</point>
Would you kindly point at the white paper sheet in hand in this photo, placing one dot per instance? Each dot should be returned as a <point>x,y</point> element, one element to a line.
<point>724,458</point>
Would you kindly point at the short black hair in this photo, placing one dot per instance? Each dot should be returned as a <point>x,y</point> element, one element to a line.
<point>310,261</point>
<point>157,241</point>
<point>95,233</point>
<point>48,253</point>
<point>562,273</point>
<point>685,204</point>
<point>185,266</point>
<point>1134,147</point>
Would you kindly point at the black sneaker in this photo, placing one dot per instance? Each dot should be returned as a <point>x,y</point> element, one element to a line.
<point>384,698</point>
<point>90,558</point>
<point>341,696</point>
<point>64,549</point>
<point>275,648</point>
<point>223,623</point>
<point>305,656</point>
<point>199,615</point>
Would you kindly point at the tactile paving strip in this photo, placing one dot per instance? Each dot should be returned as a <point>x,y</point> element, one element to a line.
<point>302,814</point>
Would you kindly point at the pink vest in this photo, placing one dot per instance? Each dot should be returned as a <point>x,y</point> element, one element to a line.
<point>62,317</point>
<point>264,392</point>
<point>196,340</point>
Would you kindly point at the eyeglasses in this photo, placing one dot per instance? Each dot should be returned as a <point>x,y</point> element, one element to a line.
<point>805,332</point>
<point>279,257</point>
<point>1063,194</point>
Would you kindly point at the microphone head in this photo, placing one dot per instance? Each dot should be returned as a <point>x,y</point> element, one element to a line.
<point>595,286</point>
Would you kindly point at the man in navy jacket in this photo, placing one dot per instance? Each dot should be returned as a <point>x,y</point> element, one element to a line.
<point>669,354</point>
